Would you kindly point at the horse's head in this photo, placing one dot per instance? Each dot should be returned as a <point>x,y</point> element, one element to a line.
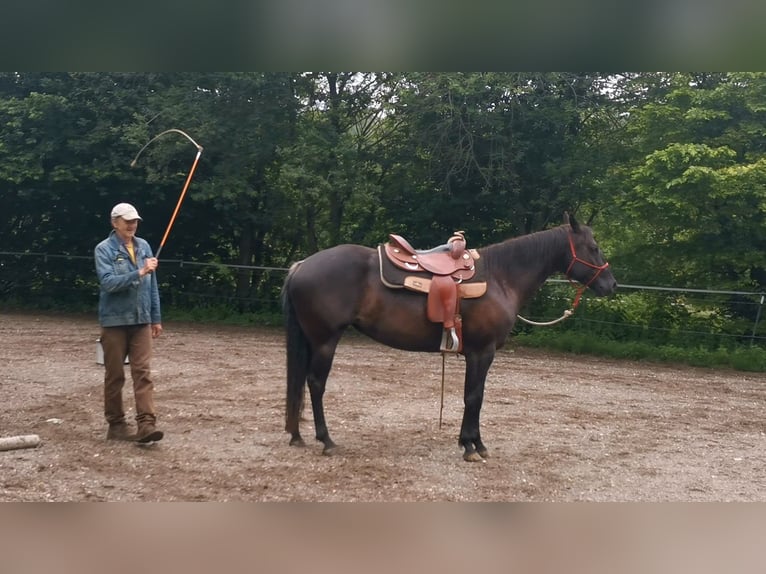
<point>587,264</point>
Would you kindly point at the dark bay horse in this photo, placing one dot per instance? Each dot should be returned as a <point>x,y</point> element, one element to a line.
<point>341,287</point>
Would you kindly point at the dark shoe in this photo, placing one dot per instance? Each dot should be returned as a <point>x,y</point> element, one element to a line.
<point>147,432</point>
<point>120,431</point>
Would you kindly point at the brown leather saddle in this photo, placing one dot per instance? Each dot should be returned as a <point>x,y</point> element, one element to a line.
<point>451,259</point>
<point>445,273</point>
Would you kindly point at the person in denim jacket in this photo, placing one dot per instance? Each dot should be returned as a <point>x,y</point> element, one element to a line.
<point>129,315</point>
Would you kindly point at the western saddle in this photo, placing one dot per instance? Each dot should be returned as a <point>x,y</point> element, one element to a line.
<point>441,272</point>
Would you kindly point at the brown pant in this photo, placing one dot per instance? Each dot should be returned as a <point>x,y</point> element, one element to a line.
<point>134,341</point>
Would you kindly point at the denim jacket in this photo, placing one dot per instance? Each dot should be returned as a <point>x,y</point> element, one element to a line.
<point>125,298</point>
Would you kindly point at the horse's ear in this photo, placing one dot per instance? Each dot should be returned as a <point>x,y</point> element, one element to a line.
<point>570,219</point>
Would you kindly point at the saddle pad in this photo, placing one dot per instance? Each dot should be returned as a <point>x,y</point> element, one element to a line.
<point>471,290</point>
<point>397,278</point>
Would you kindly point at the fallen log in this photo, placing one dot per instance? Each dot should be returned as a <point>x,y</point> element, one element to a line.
<point>21,441</point>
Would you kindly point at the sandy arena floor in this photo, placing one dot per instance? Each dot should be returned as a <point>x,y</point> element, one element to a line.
<point>559,428</point>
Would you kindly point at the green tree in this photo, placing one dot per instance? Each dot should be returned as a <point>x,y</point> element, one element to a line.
<point>497,153</point>
<point>692,202</point>
<point>332,169</point>
<point>62,158</point>
<point>241,120</point>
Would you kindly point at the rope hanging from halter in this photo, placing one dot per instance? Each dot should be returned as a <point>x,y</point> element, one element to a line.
<point>568,313</point>
<point>186,185</point>
<point>580,289</point>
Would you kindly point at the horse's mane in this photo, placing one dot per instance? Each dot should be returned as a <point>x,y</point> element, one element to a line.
<point>524,250</point>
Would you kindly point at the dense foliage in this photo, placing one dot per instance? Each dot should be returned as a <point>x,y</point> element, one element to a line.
<point>669,169</point>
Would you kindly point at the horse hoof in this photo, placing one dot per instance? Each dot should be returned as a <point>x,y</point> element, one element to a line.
<point>297,442</point>
<point>330,450</point>
<point>472,457</point>
<point>483,453</point>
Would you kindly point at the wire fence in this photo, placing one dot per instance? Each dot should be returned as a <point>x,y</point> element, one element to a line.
<point>660,315</point>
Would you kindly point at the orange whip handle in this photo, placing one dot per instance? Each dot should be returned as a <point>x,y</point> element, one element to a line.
<point>178,205</point>
<point>186,185</point>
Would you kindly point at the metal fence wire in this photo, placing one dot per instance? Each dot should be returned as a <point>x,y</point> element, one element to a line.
<point>660,315</point>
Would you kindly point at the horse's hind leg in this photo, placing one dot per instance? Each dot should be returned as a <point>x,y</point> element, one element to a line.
<point>319,370</point>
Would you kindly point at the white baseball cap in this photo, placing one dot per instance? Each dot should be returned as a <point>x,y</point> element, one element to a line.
<point>126,211</point>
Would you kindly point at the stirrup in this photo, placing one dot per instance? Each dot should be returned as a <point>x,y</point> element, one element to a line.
<point>450,343</point>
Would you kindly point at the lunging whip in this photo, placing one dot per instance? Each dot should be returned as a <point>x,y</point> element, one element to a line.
<point>186,185</point>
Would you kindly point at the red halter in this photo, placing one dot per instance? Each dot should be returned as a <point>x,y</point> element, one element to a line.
<point>575,259</point>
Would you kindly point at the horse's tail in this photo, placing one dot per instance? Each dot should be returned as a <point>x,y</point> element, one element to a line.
<point>298,356</point>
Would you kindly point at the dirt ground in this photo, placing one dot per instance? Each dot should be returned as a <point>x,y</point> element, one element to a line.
<point>559,427</point>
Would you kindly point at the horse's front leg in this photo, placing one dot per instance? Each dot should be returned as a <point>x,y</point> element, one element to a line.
<point>476,367</point>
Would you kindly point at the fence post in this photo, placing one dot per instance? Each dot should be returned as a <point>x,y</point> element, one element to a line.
<point>757,318</point>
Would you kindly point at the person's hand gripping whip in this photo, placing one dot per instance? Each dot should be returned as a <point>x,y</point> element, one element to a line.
<point>186,185</point>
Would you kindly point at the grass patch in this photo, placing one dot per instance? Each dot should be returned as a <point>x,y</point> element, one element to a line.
<point>739,358</point>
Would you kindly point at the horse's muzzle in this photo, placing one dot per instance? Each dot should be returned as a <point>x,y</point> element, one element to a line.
<point>604,286</point>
